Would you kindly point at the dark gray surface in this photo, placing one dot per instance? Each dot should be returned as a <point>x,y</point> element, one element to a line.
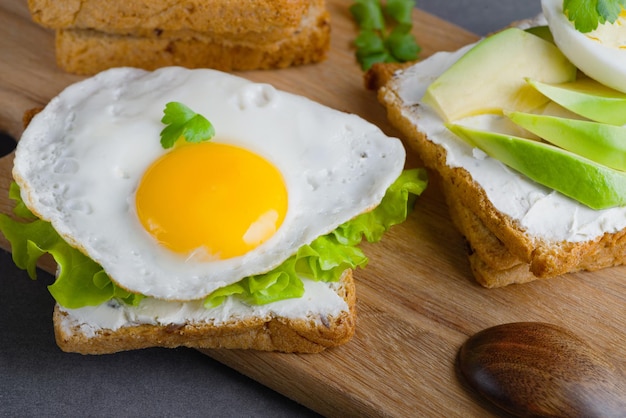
<point>37,379</point>
<point>481,16</point>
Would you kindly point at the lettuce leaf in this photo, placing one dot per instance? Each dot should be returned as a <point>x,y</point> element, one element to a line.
<point>392,210</point>
<point>278,284</point>
<point>82,282</point>
<point>323,260</point>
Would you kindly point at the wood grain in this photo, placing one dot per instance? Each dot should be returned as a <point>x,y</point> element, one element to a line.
<point>417,301</point>
<point>533,369</point>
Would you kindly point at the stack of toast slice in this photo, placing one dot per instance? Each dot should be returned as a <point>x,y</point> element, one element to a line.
<point>226,35</point>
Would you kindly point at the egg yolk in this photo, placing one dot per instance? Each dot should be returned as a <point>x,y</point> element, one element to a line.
<point>211,200</point>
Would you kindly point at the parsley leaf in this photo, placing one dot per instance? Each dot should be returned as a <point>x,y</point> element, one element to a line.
<point>610,9</point>
<point>588,14</point>
<point>401,43</point>
<point>400,10</point>
<point>384,32</point>
<point>183,122</point>
<point>368,14</point>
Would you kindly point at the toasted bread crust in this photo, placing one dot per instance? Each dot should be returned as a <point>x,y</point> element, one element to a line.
<point>489,277</point>
<point>494,266</point>
<point>381,72</point>
<point>247,32</point>
<point>306,335</point>
<point>88,52</point>
<point>483,242</point>
<point>227,35</point>
<point>142,16</point>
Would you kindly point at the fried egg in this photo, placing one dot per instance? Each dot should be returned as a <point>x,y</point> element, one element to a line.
<point>177,224</point>
<point>600,54</point>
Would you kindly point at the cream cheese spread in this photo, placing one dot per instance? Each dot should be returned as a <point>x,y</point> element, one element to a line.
<point>542,212</point>
<point>320,300</point>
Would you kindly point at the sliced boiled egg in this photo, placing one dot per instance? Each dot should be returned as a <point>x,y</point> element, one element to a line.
<point>600,54</point>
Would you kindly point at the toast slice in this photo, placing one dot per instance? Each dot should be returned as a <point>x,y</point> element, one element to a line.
<point>316,325</point>
<point>492,263</point>
<point>515,237</point>
<point>141,17</point>
<point>87,52</point>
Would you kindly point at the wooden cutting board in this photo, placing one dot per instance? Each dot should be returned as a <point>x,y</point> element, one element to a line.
<point>417,301</point>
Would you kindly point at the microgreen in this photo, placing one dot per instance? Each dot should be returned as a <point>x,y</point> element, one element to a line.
<point>384,31</point>
<point>588,14</point>
<point>183,122</point>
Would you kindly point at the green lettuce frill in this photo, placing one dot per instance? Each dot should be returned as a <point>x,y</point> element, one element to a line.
<point>82,282</point>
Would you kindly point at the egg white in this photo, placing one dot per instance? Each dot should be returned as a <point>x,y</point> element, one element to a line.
<point>80,160</point>
<point>603,63</point>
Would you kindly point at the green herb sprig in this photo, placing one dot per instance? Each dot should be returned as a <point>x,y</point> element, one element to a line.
<point>384,32</point>
<point>588,14</point>
<point>181,121</point>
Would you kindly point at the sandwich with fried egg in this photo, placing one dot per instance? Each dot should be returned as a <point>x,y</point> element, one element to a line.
<point>523,217</point>
<point>196,208</point>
